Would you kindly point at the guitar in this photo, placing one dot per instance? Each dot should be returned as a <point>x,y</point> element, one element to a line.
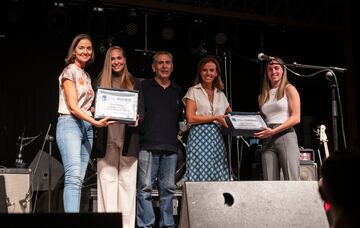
<point>323,139</point>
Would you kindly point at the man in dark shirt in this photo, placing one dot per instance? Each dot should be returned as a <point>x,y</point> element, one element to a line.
<point>159,145</point>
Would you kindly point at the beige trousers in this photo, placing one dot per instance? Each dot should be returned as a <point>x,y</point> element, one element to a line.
<point>116,185</point>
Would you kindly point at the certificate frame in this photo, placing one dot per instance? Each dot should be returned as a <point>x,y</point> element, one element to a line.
<point>118,104</point>
<point>244,123</point>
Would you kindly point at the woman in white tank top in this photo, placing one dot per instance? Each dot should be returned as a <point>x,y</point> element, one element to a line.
<point>279,102</point>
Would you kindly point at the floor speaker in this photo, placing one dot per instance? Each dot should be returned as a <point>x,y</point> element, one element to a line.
<point>40,171</point>
<point>17,185</point>
<point>46,220</point>
<point>3,205</point>
<point>252,204</point>
<point>308,171</point>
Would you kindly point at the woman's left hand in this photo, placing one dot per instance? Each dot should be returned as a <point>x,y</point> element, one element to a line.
<point>266,133</point>
<point>222,120</point>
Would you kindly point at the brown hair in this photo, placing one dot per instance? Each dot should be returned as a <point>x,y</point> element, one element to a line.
<point>70,58</point>
<point>217,83</point>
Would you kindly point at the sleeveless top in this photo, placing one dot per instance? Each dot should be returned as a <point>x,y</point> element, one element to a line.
<point>275,111</point>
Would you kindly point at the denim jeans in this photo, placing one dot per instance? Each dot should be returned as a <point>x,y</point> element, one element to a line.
<point>74,138</point>
<point>154,167</point>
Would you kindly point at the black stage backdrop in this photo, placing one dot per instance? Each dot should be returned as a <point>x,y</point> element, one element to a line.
<point>35,36</point>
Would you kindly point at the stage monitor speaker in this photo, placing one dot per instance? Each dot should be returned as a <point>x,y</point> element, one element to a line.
<point>17,185</point>
<point>40,172</point>
<point>308,171</point>
<point>252,204</point>
<point>46,220</point>
<point>3,205</point>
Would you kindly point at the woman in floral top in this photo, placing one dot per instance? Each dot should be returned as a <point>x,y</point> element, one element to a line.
<point>74,133</point>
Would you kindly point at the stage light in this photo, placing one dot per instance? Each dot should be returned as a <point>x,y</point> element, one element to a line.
<point>220,38</point>
<point>98,9</point>
<point>101,48</point>
<point>132,29</point>
<point>59,4</point>
<point>167,33</point>
<point>15,11</point>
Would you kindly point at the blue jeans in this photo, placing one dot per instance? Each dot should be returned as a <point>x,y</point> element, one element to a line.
<point>154,167</point>
<point>74,138</point>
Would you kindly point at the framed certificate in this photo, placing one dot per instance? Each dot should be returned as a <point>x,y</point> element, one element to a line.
<point>118,104</point>
<point>244,123</point>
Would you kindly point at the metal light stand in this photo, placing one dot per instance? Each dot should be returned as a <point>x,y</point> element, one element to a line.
<point>145,51</point>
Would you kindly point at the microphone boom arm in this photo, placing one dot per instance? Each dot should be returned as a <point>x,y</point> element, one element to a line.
<point>298,65</point>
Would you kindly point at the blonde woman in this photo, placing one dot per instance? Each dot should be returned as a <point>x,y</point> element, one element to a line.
<point>279,102</point>
<point>118,145</point>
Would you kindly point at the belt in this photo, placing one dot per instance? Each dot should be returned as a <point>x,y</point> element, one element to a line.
<point>272,126</point>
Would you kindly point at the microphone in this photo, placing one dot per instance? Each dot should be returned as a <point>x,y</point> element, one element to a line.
<point>24,202</point>
<point>263,57</point>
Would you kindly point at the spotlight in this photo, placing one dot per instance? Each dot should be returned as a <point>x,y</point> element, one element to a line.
<point>220,38</point>
<point>132,29</point>
<point>98,9</point>
<point>168,33</point>
<point>102,47</point>
<point>59,4</point>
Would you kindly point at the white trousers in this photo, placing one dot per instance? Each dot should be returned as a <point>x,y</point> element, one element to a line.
<point>116,185</point>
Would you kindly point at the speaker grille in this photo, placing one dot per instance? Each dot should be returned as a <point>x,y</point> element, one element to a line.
<point>308,172</point>
<point>40,169</point>
<point>17,184</point>
<point>252,204</point>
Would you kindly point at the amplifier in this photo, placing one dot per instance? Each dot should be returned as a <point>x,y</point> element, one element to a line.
<point>17,186</point>
<point>307,156</point>
<point>308,171</point>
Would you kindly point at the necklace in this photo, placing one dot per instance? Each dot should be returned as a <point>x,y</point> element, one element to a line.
<point>210,94</point>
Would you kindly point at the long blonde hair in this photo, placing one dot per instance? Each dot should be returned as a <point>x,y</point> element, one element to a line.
<point>126,81</point>
<point>266,86</point>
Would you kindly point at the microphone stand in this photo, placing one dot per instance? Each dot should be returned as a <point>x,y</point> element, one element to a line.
<point>46,138</point>
<point>329,74</point>
<point>334,109</point>
<point>298,65</point>
<point>228,95</point>
<point>239,152</point>
<point>50,139</point>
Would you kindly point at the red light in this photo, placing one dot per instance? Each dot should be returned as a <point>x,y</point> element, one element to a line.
<point>327,206</point>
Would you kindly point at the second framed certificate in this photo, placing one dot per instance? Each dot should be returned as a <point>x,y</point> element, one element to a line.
<point>244,124</point>
<point>118,104</point>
